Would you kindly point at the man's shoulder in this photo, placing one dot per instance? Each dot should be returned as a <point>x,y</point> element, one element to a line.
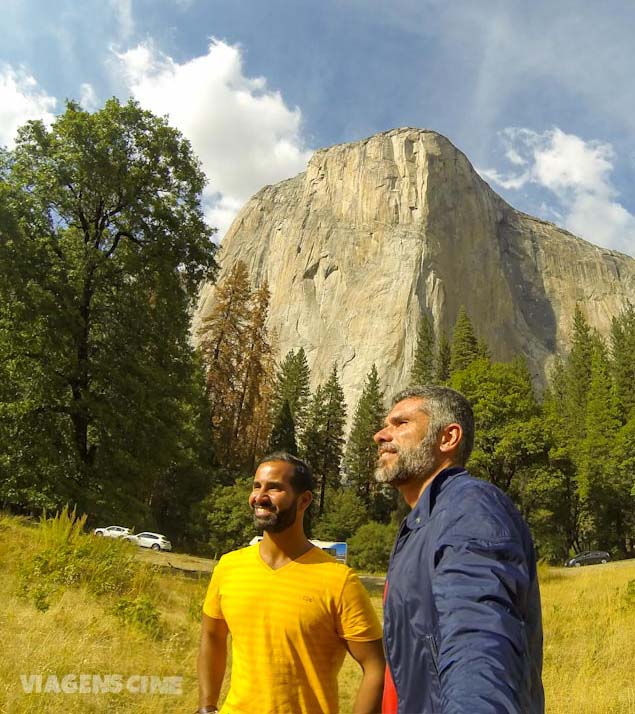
<point>477,508</point>
<point>237,557</point>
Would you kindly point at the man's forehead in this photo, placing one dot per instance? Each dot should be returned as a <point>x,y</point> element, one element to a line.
<point>278,470</point>
<point>407,406</point>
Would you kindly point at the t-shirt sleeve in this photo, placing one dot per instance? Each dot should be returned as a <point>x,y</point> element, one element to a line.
<point>357,619</point>
<point>212,604</point>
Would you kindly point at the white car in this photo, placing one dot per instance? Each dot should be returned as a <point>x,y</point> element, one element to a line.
<point>112,532</point>
<point>156,541</point>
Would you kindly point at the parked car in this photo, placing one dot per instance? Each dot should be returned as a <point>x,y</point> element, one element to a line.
<point>588,557</point>
<point>156,541</point>
<point>112,532</point>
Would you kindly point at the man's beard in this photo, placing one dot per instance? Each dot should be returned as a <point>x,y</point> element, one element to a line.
<point>277,521</point>
<point>413,463</point>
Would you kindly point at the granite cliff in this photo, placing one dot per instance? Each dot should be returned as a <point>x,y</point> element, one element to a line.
<point>378,231</point>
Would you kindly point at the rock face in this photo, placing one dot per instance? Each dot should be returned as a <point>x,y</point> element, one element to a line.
<point>377,232</point>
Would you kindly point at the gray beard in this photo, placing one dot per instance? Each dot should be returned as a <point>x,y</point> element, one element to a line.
<point>414,463</point>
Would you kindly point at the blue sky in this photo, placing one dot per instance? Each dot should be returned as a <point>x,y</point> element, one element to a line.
<point>539,95</point>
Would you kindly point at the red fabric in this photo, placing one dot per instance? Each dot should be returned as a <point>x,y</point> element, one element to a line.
<point>389,702</point>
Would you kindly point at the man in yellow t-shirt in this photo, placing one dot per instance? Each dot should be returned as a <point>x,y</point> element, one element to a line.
<point>292,612</point>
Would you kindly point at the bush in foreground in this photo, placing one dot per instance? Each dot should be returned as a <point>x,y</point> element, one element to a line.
<point>370,547</point>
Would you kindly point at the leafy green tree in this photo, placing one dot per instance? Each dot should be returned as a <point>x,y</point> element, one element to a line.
<point>423,367</point>
<point>224,517</point>
<point>506,419</point>
<point>465,348</point>
<point>345,512</point>
<point>371,546</point>
<point>103,248</point>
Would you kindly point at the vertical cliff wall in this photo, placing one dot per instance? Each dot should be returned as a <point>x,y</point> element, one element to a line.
<point>376,232</point>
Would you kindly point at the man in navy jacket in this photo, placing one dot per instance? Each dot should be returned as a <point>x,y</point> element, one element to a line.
<point>462,619</point>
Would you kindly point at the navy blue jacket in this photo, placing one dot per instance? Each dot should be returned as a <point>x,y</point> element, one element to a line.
<point>462,618</point>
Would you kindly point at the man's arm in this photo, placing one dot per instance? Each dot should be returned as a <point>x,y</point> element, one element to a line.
<point>483,659</point>
<point>212,659</point>
<point>370,657</point>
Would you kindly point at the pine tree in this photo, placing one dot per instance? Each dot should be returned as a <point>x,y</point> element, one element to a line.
<point>361,451</point>
<point>465,347</point>
<point>291,387</point>
<point>423,368</point>
<point>324,434</point>
<point>603,493</point>
<point>623,360</point>
<point>223,342</point>
<point>443,357</point>
<point>253,372</point>
<point>578,378</point>
<point>283,434</point>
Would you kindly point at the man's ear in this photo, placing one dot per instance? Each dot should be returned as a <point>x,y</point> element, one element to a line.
<point>451,436</point>
<point>305,500</point>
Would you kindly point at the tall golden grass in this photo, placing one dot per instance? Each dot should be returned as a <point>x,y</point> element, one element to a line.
<point>589,621</point>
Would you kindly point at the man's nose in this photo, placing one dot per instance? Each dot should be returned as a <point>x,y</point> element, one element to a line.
<point>382,435</point>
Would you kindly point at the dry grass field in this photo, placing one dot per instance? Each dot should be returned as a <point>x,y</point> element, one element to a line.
<point>77,628</point>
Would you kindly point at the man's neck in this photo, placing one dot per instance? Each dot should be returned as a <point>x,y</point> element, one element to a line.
<point>278,549</point>
<point>412,490</point>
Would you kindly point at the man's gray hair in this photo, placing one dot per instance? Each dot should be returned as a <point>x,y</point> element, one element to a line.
<point>445,406</point>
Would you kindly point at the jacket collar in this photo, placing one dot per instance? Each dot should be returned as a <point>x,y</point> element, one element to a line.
<point>423,508</point>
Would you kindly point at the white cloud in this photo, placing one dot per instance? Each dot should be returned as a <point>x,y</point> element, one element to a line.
<point>88,98</point>
<point>21,99</point>
<point>243,132</point>
<point>578,174</point>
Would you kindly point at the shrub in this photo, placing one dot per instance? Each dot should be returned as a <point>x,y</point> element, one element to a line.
<point>140,612</point>
<point>67,557</point>
<point>370,547</point>
<point>345,513</point>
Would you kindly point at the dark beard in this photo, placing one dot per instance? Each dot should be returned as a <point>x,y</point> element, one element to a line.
<point>277,521</point>
<point>414,463</point>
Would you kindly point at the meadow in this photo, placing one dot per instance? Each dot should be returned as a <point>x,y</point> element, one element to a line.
<point>74,604</point>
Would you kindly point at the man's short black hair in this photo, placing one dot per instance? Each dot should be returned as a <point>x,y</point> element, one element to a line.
<point>302,479</point>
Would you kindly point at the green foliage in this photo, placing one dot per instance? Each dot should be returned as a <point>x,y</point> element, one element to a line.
<point>361,451</point>
<point>370,547</point>
<point>345,512</point>
<point>324,434</point>
<point>67,557</point>
<point>443,358</point>
<point>226,517</point>
<point>465,347</point>
<point>423,367</point>
<point>283,434</point>
<point>623,360</point>
<point>289,401</point>
<point>103,247</point>
<point>141,613</point>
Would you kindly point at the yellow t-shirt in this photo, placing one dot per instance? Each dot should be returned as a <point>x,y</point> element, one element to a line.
<point>288,629</point>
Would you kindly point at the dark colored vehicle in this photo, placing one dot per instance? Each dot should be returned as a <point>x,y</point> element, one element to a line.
<point>588,557</point>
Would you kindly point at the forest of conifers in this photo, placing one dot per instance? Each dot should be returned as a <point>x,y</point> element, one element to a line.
<point>107,405</point>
